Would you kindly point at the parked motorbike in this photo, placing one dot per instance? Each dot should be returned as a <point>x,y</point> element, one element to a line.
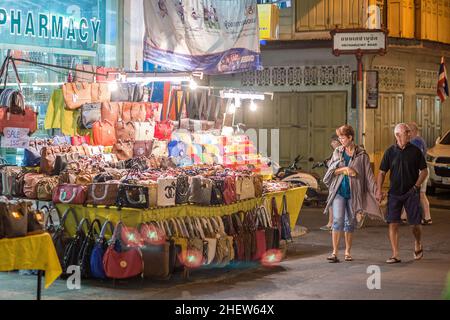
<point>316,193</point>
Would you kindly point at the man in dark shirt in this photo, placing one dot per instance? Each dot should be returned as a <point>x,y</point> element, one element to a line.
<point>408,170</point>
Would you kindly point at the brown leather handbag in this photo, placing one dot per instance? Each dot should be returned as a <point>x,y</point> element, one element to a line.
<point>45,186</point>
<point>111,111</point>
<point>142,148</point>
<point>76,94</point>
<point>13,220</point>
<point>138,112</point>
<point>100,92</point>
<point>123,150</point>
<point>30,184</point>
<point>258,183</point>
<point>125,131</point>
<point>103,193</point>
<point>48,158</point>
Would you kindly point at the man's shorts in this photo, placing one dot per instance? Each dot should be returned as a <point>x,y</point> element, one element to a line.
<point>411,202</point>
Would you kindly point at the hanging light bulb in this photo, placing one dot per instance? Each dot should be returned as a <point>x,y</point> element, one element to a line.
<point>193,85</point>
<point>253,106</point>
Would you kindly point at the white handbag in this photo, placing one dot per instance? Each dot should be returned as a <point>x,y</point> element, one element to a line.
<point>167,188</point>
<point>160,148</point>
<point>245,189</point>
<point>144,131</point>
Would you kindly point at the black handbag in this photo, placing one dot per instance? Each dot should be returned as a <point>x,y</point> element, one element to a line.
<point>73,246</point>
<point>13,220</point>
<point>132,196</point>
<point>216,193</point>
<point>285,222</point>
<point>84,255</point>
<point>182,189</point>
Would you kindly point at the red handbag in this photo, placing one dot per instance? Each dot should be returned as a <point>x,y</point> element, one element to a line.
<point>69,193</point>
<point>28,120</point>
<point>261,247</point>
<point>104,133</point>
<point>163,130</point>
<point>122,264</point>
<point>106,74</point>
<point>229,191</point>
<point>80,140</point>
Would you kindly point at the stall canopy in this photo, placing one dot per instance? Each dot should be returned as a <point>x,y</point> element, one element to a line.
<point>212,36</point>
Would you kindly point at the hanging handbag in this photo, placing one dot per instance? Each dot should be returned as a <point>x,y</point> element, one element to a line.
<point>123,92</point>
<point>13,99</point>
<point>216,193</point>
<point>229,191</point>
<point>258,184</point>
<point>276,224</point>
<point>69,193</point>
<point>74,244</point>
<point>285,222</point>
<point>132,196</point>
<point>76,94</point>
<point>98,251</point>
<point>142,148</point>
<point>125,131</point>
<point>86,248</point>
<point>111,111</point>
<point>138,112</point>
<point>103,133</point>
<point>121,263</point>
<point>26,119</point>
<point>160,149</point>
<point>182,189</point>
<point>163,130</point>
<point>167,188</point>
<point>81,76</point>
<point>144,131</point>
<point>105,74</point>
<point>13,220</point>
<point>200,190</point>
<point>123,150</point>
<point>100,92</point>
<point>60,237</point>
<point>90,113</point>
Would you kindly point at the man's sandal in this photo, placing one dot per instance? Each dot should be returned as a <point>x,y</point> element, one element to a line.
<point>393,260</point>
<point>333,258</point>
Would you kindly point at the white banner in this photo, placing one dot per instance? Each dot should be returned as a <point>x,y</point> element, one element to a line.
<point>212,36</point>
<point>15,138</point>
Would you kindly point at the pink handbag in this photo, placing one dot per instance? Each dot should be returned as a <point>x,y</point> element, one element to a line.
<point>69,193</point>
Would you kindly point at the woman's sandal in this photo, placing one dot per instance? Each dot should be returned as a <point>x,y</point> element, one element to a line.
<point>348,257</point>
<point>333,258</point>
<point>418,254</point>
<point>393,260</point>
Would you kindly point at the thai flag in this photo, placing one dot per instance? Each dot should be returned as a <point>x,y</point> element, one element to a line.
<point>442,88</point>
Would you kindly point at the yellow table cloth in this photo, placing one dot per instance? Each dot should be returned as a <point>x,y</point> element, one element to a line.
<point>35,252</point>
<point>132,217</point>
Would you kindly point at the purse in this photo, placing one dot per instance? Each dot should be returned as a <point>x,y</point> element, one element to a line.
<point>276,224</point>
<point>100,92</point>
<point>90,113</point>
<point>123,150</point>
<point>73,246</point>
<point>81,76</point>
<point>111,111</point>
<point>125,131</point>
<point>119,263</point>
<point>200,190</point>
<point>103,193</point>
<point>144,131</point>
<point>166,191</point>
<point>35,222</point>
<point>69,193</point>
<point>76,94</point>
<point>98,251</point>
<point>105,74</point>
<point>160,149</point>
<point>87,247</point>
<point>163,130</point>
<point>81,140</point>
<point>13,220</point>
<point>142,148</point>
<point>229,191</point>
<point>30,184</point>
<point>258,184</point>
<point>132,196</point>
<point>26,119</point>
<point>245,189</point>
<point>104,133</point>
<point>138,112</point>
<point>216,192</point>
<point>61,161</point>
<point>45,186</point>
<point>285,222</point>
<point>60,236</point>
<point>123,92</point>
<point>182,189</point>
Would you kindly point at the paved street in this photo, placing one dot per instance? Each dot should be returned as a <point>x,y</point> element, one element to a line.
<point>305,274</point>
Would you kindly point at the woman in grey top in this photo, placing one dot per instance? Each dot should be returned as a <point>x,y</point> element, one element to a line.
<point>352,190</point>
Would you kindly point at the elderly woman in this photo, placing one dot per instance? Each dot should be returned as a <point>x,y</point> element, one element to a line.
<point>352,190</point>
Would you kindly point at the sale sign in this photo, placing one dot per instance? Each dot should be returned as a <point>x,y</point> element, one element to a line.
<point>15,138</point>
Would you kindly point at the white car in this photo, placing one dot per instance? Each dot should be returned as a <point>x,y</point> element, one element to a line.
<point>438,161</point>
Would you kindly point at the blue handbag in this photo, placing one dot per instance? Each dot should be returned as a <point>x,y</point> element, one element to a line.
<point>96,260</point>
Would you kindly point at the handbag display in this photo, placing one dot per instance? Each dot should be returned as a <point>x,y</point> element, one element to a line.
<point>245,188</point>
<point>132,196</point>
<point>125,131</point>
<point>103,193</point>
<point>69,193</point>
<point>144,131</point>
<point>167,188</point>
<point>76,94</point>
<point>111,111</point>
<point>142,148</point>
<point>90,113</point>
<point>200,190</point>
<point>104,133</point>
<point>96,259</point>
<point>123,150</point>
<point>26,119</point>
<point>121,263</point>
<point>13,220</point>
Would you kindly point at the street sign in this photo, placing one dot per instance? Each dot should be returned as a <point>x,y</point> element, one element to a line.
<point>359,41</point>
